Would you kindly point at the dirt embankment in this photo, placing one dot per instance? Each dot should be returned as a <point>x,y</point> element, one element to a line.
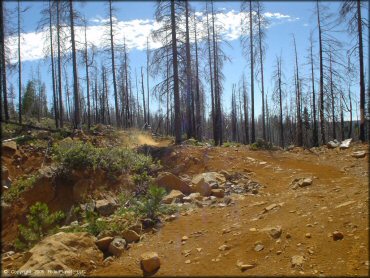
<point>337,200</point>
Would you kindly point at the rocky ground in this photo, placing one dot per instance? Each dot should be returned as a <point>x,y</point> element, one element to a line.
<point>241,212</point>
<point>318,228</point>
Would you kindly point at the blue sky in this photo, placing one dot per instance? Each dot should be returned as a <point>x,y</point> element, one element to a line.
<point>296,18</point>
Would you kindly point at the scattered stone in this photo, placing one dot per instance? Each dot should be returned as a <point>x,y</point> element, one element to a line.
<point>170,182</point>
<point>276,232</point>
<point>270,207</point>
<point>243,267</point>
<point>186,253</point>
<point>199,249</point>
<point>305,182</point>
<point>195,196</point>
<point>187,199</point>
<point>108,260</point>
<point>259,247</point>
<point>130,236</point>
<point>219,193</point>
<point>252,229</point>
<point>187,261</point>
<point>308,235</point>
<point>174,194</point>
<point>337,235</point>
<point>202,182</point>
<point>103,243</point>
<point>224,247</point>
<point>359,154</point>
<point>333,144</point>
<point>297,261</point>
<point>117,246</point>
<point>278,252</point>
<point>227,200</point>
<point>150,262</point>
<point>184,238</point>
<point>345,204</point>
<point>345,144</point>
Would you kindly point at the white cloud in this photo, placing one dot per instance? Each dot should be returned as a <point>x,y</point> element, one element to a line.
<point>135,32</point>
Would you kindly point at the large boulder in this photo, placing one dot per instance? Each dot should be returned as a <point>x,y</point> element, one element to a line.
<point>204,182</point>
<point>345,144</point>
<point>170,182</point>
<point>174,194</point>
<point>64,251</point>
<point>203,187</point>
<point>105,207</point>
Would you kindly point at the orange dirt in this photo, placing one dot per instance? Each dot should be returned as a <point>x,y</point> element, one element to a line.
<point>337,178</point>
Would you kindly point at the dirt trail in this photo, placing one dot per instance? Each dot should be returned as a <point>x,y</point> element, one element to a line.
<point>337,179</point>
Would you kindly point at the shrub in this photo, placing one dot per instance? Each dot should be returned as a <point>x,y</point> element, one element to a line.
<point>24,139</point>
<point>95,224</point>
<point>40,223</point>
<point>150,206</point>
<point>142,182</point>
<point>19,186</point>
<point>76,154</point>
<point>261,144</point>
<point>61,134</point>
<point>79,155</point>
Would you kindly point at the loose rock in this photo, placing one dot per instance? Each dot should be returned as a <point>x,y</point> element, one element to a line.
<point>345,144</point>
<point>130,236</point>
<point>337,235</point>
<point>219,193</point>
<point>174,194</point>
<point>297,261</point>
<point>224,247</point>
<point>150,262</point>
<point>103,243</point>
<point>117,246</point>
<point>275,232</point>
<point>359,154</point>
<point>170,182</point>
<point>243,267</point>
<point>259,247</point>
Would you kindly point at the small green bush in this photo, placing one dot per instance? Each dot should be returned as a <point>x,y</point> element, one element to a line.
<point>61,134</point>
<point>150,206</point>
<point>116,160</point>
<point>95,224</point>
<point>24,139</point>
<point>261,144</point>
<point>40,223</point>
<point>19,186</point>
